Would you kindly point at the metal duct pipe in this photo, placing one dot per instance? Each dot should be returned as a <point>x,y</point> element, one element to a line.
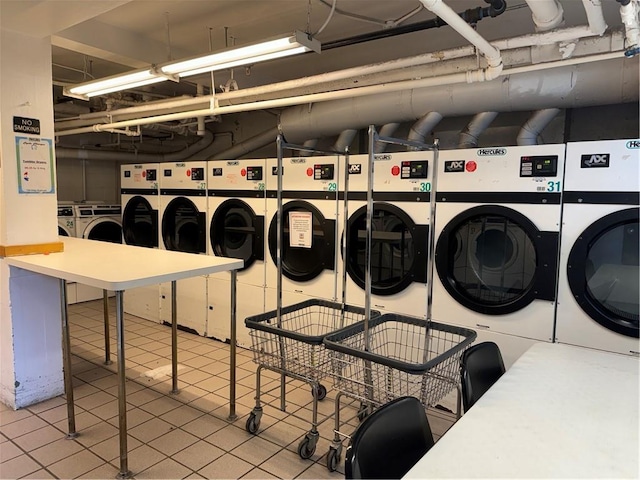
<point>423,126</point>
<point>629,14</point>
<point>311,143</point>
<point>201,127</point>
<point>344,139</point>
<point>478,124</point>
<point>83,154</point>
<point>529,132</point>
<point>248,146</point>
<point>595,17</point>
<point>588,84</point>
<point>387,130</point>
<point>547,14</point>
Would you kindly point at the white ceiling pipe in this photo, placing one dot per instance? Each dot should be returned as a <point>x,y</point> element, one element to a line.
<point>344,140</point>
<point>387,130</point>
<point>629,15</point>
<point>589,84</point>
<point>423,126</point>
<point>479,123</point>
<point>595,17</point>
<point>547,14</point>
<point>302,85</point>
<point>84,154</point>
<point>530,131</point>
<point>251,144</point>
<point>491,53</point>
<point>405,88</point>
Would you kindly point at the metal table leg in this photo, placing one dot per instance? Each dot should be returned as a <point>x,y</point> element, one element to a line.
<point>174,338</point>
<point>66,353</point>
<point>232,350</point>
<point>107,339</point>
<point>122,390</point>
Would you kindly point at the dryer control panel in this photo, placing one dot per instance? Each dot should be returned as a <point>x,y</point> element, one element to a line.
<point>415,169</point>
<point>539,166</point>
<point>197,174</point>
<point>254,173</point>
<point>323,172</point>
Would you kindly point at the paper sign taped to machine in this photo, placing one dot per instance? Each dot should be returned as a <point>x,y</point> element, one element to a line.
<point>300,229</point>
<point>35,165</point>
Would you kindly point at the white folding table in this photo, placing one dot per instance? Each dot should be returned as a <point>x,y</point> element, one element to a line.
<point>559,412</point>
<point>116,267</point>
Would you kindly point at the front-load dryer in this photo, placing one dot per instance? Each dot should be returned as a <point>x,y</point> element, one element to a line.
<point>140,227</point>
<point>99,222</point>
<point>599,273</point>
<point>236,205</point>
<point>310,209</point>
<point>497,237</point>
<point>400,231</point>
<point>66,220</point>
<point>183,212</point>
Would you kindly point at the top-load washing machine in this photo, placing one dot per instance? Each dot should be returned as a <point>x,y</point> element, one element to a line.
<point>66,220</point>
<point>310,209</point>
<point>400,231</point>
<point>497,237</point>
<point>598,294</point>
<point>183,210</point>
<point>99,222</point>
<point>140,204</point>
<point>236,205</point>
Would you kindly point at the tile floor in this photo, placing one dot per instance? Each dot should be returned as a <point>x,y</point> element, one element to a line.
<point>170,436</point>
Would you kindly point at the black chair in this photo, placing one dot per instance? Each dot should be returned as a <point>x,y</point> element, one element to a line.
<point>389,441</point>
<point>481,367</point>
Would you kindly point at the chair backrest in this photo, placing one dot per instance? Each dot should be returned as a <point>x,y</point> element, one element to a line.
<point>481,367</point>
<point>389,441</point>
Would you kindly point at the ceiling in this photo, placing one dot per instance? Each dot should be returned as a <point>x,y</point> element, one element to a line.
<point>107,37</point>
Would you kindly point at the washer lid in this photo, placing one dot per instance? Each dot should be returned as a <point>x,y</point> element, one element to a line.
<point>494,260</point>
<point>300,263</point>
<point>398,251</point>
<point>184,227</point>
<point>237,232</point>
<point>603,271</point>
<point>140,223</point>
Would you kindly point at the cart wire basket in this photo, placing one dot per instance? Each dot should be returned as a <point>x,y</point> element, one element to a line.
<point>406,356</point>
<point>295,348</point>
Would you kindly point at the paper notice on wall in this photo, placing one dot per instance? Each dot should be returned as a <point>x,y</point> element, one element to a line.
<point>35,165</point>
<point>300,229</point>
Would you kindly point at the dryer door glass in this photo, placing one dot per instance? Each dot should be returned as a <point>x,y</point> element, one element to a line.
<point>237,232</point>
<point>301,263</point>
<point>398,249</point>
<point>183,227</point>
<point>140,223</point>
<point>604,273</point>
<point>106,231</point>
<point>62,232</point>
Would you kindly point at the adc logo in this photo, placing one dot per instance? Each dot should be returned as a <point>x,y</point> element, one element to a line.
<point>355,168</point>
<point>217,172</point>
<point>633,144</point>
<point>595,160</point>
<point>454,166</point>
<point>491,152</point>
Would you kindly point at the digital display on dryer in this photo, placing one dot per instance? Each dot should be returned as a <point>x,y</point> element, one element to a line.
<point>152,175</point>
<point>254,173</point>
<point>539,166</point>
<point>323,172</point>
<point>197,174</point>
<point>417,169</point>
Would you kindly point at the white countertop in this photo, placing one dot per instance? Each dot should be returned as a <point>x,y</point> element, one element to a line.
<point>559,412</point>
<point>113,266</point>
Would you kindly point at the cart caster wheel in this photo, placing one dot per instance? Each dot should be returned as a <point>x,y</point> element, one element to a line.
<point>306,449</point>
<point>333,459</point>
<point>253,424</point>
<point>320,392</point>
<point>363,412</point>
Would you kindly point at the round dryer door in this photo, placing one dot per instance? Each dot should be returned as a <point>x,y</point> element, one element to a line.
<point>237,232</point>
<point>603,271</point>
<point>104,230</point>
<point>62,232</point>
<point>184,227</point>
<point>300,263</point>
<point>398,249</point>
<point>495,261</point>
<point>140,223</point>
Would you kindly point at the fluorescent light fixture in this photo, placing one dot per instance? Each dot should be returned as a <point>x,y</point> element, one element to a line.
<point>299,42</point>
<point>250,54</point>
<point>114,84</point>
